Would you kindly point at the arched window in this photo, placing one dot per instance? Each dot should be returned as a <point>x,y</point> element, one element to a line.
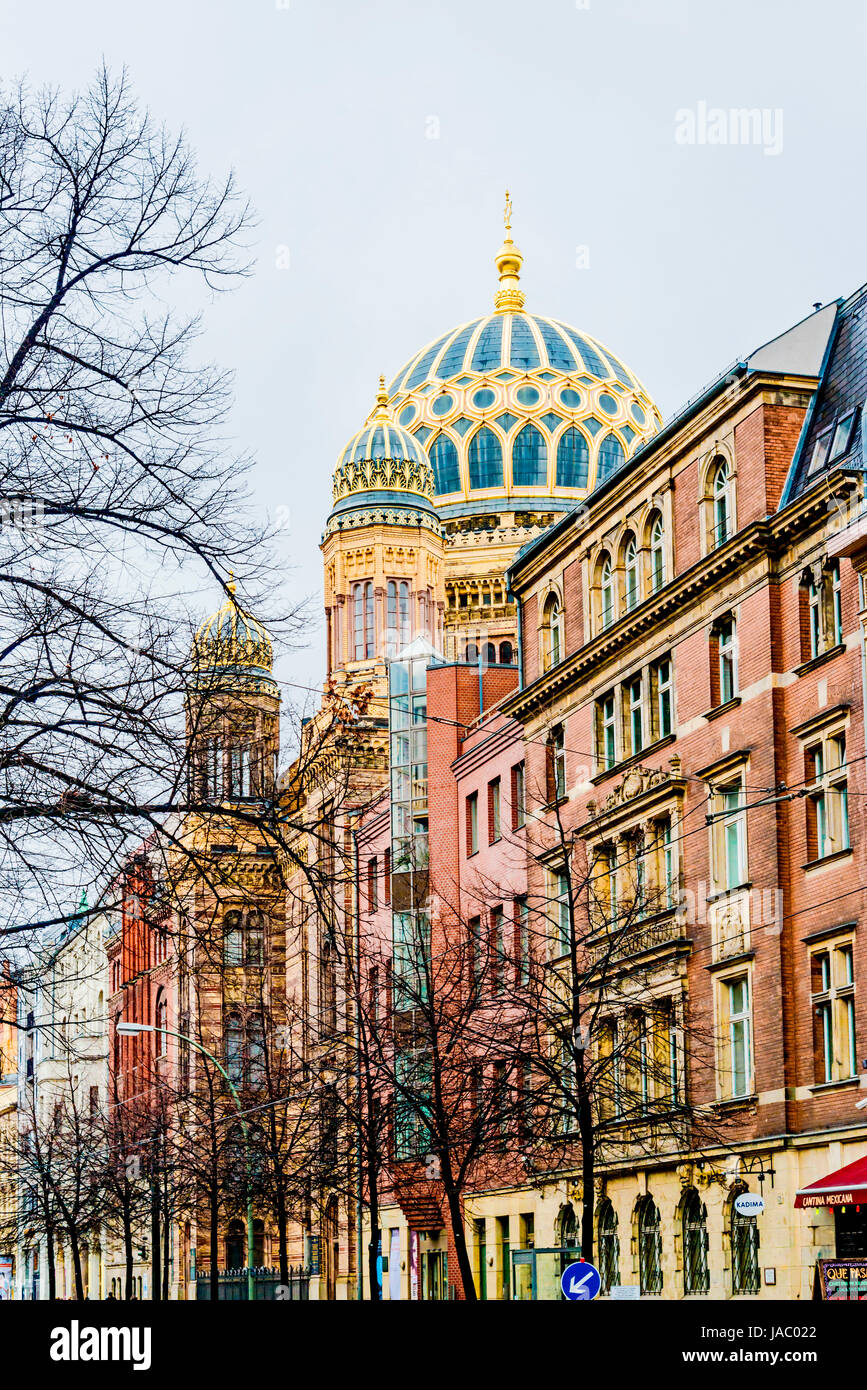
<point>363,621</point>
<point>609,1245</point>
<point>568,1229</point>
<point>490,654</point>
<point>486,460</point>
<point>657,552</point>
<point>573,459</point>
<point>244,937</point>
<point>611,457</point>
<point>649,1247</point>
<point>552,635</point>
<point>529,459</point>
<point>721,498</point>
<point>236,1245</point>
<point>696,1269</point>
<point>472,654</point>
<point>161,1014</point>
<point>630,568</point>
<point>444,461</point>
<point>744,1233</point>
<point>606,592</point>
<point>233,939</point>
<point>398,611</point>
<point>258,1243</point>
<point>255,1050</point>
<point>234,1047</point>
<point>506,653</point>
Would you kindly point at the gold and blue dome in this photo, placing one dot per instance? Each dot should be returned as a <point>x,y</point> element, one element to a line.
<point>232,641</point>
<point>383,474</point>
<point>515,409</point>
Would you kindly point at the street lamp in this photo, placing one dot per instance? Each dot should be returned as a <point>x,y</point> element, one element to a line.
<point>129,1029</point>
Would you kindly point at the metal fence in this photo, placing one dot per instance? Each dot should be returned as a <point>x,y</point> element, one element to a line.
<point>267,1285</point>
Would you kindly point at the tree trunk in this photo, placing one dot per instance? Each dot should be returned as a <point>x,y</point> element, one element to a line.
<point>156,1279</point>
<point>166,1254</point>
<point>52,1268</point>
<point>282,1224</point>
<point>375,1233</point>
<point>465,1268</point>
<point>127,1249</point>
<point>215,1243</point>
<point>76,1264</point>
<point>588,1161</point>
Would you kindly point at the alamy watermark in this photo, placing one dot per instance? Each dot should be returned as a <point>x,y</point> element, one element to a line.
<point>21,513</point>
<point>735,125</point>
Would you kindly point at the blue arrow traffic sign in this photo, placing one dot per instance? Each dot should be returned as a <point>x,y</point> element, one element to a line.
<point>580,1281</point>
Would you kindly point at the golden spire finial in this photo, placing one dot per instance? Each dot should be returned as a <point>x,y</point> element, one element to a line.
<point>381,411</point>
<point>231,586</point>
<point>508,260</point>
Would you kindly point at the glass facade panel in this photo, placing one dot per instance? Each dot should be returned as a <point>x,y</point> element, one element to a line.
<point>529,459</point>
<point>486,460</point>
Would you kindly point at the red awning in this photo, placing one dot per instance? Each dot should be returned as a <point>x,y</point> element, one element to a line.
<point>847,1187</point>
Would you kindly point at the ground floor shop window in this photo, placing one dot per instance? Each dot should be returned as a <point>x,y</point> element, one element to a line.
<point>696,1269</point>
<point>609,1246</point>
<point>745,1251</point>
<point>649,1247</point>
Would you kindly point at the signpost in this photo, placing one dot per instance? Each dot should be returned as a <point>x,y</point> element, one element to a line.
<point>749,1204</point>
<point>580,1282</point>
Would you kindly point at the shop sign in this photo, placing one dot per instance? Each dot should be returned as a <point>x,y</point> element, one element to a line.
<point>843,1279</point>
<point>749,1204</point>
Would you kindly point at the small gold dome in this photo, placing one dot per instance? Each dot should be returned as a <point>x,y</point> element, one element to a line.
<point>231,638</point>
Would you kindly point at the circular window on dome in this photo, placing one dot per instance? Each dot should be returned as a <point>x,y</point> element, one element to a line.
<point>570,397</point>
<point>527,395</point>
<point>608,404</point>
<point>637,413</point>
<point>482,399</point>
<point>407,416</point>
<point>441,405</point>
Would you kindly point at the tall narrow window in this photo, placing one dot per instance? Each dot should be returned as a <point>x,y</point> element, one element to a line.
<point>522,940</point>
<point>833,997</point>
<point>730,838</point>
<point>607,714</point>
<point>362,598</point>
<point>234,1048</point>
<point>663,698</point>
<point>738,1035</point>
<point>630,566</point>
<point>657,553</point>
<point>727,659</point>
<point>634,692</point>
<point>494,811</point>
<point>472,823</point>
<point>721,496</point>
<point>552,635</point>
<point>519,811</point>
<point>559,913</point>
<point>372,884</point>
<point>556,764</point>
<point>836,602</point>
<point>606,590</point>
<point>814,616</point>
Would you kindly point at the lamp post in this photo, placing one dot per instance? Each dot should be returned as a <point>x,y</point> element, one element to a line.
<point>129,1029</point>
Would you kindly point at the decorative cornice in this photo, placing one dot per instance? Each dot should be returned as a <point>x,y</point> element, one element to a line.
<point>383,475</point>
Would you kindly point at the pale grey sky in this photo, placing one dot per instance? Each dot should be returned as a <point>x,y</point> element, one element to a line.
<point>325,108</point>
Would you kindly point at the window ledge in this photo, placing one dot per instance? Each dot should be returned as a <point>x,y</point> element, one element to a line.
<point>633,759</point>
<point>735,959</point>
<point>834,858</point>
<point>844,1084</point>
<point>807,666</point>
<point>737,1102</point>
<point>744,887</point>
<point>723,709</point>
